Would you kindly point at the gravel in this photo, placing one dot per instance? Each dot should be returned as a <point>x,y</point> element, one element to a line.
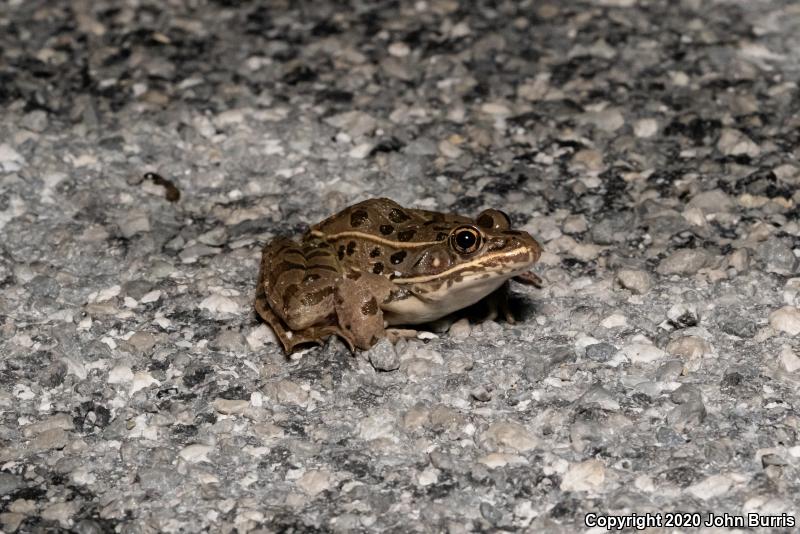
<point>148,152</point>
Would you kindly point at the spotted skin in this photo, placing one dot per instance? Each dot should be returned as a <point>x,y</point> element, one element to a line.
<point>377,264</point>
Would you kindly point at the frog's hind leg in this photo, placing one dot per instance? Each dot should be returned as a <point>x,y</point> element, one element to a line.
<point>296,291</point>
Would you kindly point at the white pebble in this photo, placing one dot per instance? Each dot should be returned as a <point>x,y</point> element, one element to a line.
<point>786,319</point>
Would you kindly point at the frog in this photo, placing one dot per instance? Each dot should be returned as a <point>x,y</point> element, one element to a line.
<point>376,266</point>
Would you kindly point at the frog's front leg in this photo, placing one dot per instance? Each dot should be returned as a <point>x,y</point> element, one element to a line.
<point>358,307</point>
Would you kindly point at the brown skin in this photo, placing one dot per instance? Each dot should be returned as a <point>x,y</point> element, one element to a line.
<point>377,263</point>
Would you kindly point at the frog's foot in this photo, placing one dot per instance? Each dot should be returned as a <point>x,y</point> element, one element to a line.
<point>497,304</point>
<point>529,278</point>
<point>290,338</point>
<point>396,334</point>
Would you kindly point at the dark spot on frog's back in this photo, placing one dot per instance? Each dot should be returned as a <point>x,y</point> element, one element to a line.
<point>358,218</point>
<point>370,307</point>
<point>386,229</point>
<point>406,235</point>
<point>351,247</point>
<point>377,268</point>
<point>398,257</point>
<point>340,252</point>
<point>398,215</point>
<point>375,252</point>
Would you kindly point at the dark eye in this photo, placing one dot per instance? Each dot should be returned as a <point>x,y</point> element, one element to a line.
<point>466,240</point>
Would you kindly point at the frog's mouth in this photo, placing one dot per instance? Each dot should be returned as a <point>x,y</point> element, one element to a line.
<point>501,265</point>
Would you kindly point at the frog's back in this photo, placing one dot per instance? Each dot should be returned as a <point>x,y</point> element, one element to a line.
<point>386,219</point>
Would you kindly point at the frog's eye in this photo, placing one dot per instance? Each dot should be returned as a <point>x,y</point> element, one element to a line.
<point>494,220</point>
<point>466,239</point>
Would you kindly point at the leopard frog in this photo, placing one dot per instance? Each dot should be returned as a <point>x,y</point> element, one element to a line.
<point>377,264</point>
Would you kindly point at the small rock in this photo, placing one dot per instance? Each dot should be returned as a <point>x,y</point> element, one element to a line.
<point>713,201</point>
<point>399,49</point>
<point>735,143</point>
<point>55,438</point>
<point>510,435</point>
<point>142,380</point>
<point>598,396</point>
<point>383,356</point>
<point>637,281</point>
<point>584,476</point>
<point>645,128</point>
<point>687,415</point>
<point>786,319</point>
<point>120,374</point>
<point>315,481</point>
<point>615,320</point>
<point>134,223</point>
<point>789,360</point>
<point>288,392</point>
<point>61,512</point>
<point>481,394</point>
<point>377,426</point>
<point>419,368</point>
<point>231,406</point>
<point>502,459</point>
<point>609,120</point>
<point>778,257</point>
<point>689,347</point>
<point>711,487</point>
<point>460,329</point>
<point>220,304</point>
<point>684,261</point>
<point>10,159</point>
<point>355,123</point>
<point>449,150</point>
<point>9,483</point>
<point>35,121</point>
<point>643,352</point>
<point>195,453</point>
<point>600,352</point>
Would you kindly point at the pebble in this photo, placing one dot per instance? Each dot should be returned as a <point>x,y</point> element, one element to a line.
<point>315,481</point>
<point>355,123</point>
<point>735,143</point>
<point>287,392</point>
<point>711,487</point>
<point>10,159</point>
<point>383,356</point>
<point>120,374</point>
<point>778,257</point>
<point>789,359</point>
<point>615,320</point>
<point>54,438</point>
<point>786,319</point>
<point>643,352</point>
<point>645,128</point>
<point>689,347</point>
<point>684,261</point>
<point>585,476</point>
<point>460,329</point>
<point>713,201</point>
<point>600,352</point>
<point>635,280</point>
<point>510,435</point>
<point>195,453</point>
<point>220,304</point>
<point>231,406</point>
<point>607,120</point>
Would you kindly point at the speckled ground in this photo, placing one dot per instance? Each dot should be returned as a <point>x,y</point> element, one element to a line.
<point>651,146</point>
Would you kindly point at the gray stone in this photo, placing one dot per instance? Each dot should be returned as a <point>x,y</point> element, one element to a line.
<point>383,356</point>
<point>684,261</point>
<point>601,352</point>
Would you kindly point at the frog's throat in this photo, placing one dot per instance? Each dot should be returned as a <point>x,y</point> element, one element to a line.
<point>508,263</point>
<point>375,239</point>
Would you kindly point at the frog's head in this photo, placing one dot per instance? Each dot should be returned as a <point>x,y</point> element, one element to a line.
<point>466,263</point>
